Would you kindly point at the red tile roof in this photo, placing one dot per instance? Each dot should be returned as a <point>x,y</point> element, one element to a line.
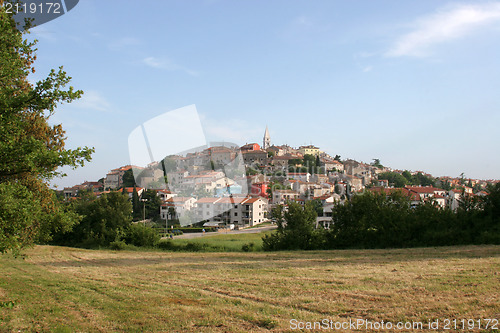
<point>252,200</point>
<point>423,189</point>
<point>233,200</point>
<point>178,199</point>
<point>131,189</point>
<point>207,200</point>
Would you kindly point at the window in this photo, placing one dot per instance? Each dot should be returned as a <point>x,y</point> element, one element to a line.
<point>235,213</point>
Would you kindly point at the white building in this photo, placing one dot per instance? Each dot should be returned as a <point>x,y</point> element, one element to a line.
<point>240,211</point>
<point>302,176</point>
<point>266,141</point>
<point>280,197</point>
<point>181,206</point>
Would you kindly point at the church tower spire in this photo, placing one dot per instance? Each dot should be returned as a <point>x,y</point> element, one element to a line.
<point>266,142</point>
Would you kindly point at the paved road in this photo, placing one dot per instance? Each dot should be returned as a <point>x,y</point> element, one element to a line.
<point>228,232</point>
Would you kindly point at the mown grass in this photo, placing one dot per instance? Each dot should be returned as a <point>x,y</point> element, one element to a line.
<point>57,289</point>
<point>222,242</point>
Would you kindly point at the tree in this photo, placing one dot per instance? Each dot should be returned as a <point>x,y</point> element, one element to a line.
<point>277,214</point>
<point>310,163</point>
<point>423,180</point>
<point>491,216</point>
<point>298,233</point>
<point>317,206</point>
<point>370,220</point>
<point>462,178</point>
<point>152,204</point>
<point>31,150</point>
<point>394,178</point>
<point>141,235</point>
<point>376,163</point>
<point>408,176</point>
<point>128,179</point>
<point>171,213</point>
<point>295,161</point>
<point>136,206</point>
<point>105,220</point>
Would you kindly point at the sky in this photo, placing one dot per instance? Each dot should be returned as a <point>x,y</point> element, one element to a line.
<point>412,83</point>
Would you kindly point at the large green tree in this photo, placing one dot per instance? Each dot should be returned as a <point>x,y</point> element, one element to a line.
<point>152,204</point>
<point>394,178</point>
<point>31,150</point>
<point>298,230</point>
<point>128,179</point>
<point>105,220</point>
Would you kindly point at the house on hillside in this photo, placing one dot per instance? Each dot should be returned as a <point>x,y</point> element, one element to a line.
<point>280,197</point>
<point>250,147</point>
<point>302,176</point>
<point>427,193</point>
<point>240,211</point>
<point>254,157</point>
<point>180,206</point>
<point>309,150</point>
<point>114,178</point>
<point>130,191</point>
<point>165,194</point>
<point>222,155</point>
<point>148,177</point>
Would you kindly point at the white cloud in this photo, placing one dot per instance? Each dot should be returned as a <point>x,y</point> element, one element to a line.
<point>445,25</point>
<point>41,32</point>
<point>303,21</point>
<point>92,100</point>
<point>124,42</point>
<point>166,64</point>
<point>231,130</point>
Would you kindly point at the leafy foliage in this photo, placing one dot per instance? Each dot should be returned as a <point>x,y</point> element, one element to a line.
<point>128,179</point>
<point>152,204</point>
<point>104,220</point>
<point>140,235</point>
<point>298,233</point>
<point>377,220</point>
<point>394,178</point>
<point>376,163</point>
<point>31,150</point>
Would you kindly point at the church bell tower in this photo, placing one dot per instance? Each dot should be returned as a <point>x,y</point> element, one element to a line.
<point>266,142</point>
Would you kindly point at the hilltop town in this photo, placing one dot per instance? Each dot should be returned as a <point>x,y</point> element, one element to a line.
<point>230,185</point>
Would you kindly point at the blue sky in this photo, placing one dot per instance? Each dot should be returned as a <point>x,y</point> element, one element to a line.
<point>412,83</point>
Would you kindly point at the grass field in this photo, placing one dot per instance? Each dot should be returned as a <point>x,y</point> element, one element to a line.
<point>73,290</point>
<point>220,242</point>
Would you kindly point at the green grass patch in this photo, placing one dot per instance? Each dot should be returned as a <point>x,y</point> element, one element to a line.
<point>218,243</point>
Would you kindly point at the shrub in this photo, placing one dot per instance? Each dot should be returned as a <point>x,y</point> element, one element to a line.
<point>166,245</point>
<point>248,247</point>
<point>193,247</point>
<point>118,245</point>
<point>140,235</point>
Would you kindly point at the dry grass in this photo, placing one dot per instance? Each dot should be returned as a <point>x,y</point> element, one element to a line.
<point>73,290</point>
